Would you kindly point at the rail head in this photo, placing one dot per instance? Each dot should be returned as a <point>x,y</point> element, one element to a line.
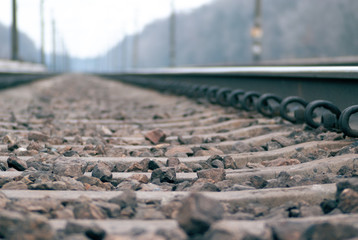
<point>325,72</point>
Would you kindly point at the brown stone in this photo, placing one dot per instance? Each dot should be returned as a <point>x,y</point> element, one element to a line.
<point>229,162</point>
<point>14,186</point>
<point>63,214</point>
<point>37,136</point>
<point>203,186</point>
<point>155,136</point>
<point>34,146</point>
<point>177,150</point>
<point>140,178</point>
<point>183,168</point>
<point>141,166</point>
<point>93,181</point>
<point>8,139</point>
<point>86,210</point>
<point>135,167</point>
<point>69,168</point>
<point>216,174</point>
<point>72,184</point>
<point>348,201</point>
<point>280,162</point>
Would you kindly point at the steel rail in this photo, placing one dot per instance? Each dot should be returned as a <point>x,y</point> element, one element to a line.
<point>337,85</point>
<point>11,79</point>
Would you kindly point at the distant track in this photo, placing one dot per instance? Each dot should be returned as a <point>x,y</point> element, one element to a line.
<point>11,79</point>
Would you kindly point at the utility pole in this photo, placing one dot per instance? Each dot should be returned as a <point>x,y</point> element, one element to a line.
<point>53,45</point>
<point>172,36</point>
<point>124,53</point>
<point>14,34</point>
<point>256,33</point>
<point>63,56</point>
<point>42,24</point>
<point>135,41</point>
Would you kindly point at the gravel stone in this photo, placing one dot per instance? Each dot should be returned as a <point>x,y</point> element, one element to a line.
<point>216,161</point>
<point>229,162</point>
<point>203,187</point>
<point>172,234</point>
<point>3,200</point>
<point>8,139</point>
<point>283,141</point>
<point>196,167</point>
<point>3,166</point>
<point>178,151</point>
<point>14,225</point>
<point>126,199</point>
<point>69,168</point>
<point>37,136</point>
<point>195,140</point>
<point>328,205</point>
<point>92,231</point>
<point>155,136</point>
<point>216,174</point>
<point>149,214</point>
<point>348,201</point>
<point>141,166</point>
<point>172,162</point>
<point>328,231</point>
<point>198,213</point>
<point>164,174</point>
<point>34,146</point>
<point>129,184</point>
<point>17,163</point>
<point>183,168</point>
<point>351,183</point>
<point>136,167</point>
<point>239,187</point>
<point>93,181</point>
<point>272,146</point>
<point>140,178</point>
<point>154,164</point>
<point>241,147</point>
<point>217,164</point>
<point>14,186</point>
<point>171,209</point>
<point>58,185</point>
<point>112,210</point>
<point>87,210</point>
<point>258,182</point>
<point>280,162</point>
<point>72,184</point>
<point>102,171</point>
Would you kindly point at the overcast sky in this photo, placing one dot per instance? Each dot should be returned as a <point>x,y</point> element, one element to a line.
<point>89,27</point>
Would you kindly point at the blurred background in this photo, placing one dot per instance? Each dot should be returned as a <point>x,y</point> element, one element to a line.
<point>122,35</point>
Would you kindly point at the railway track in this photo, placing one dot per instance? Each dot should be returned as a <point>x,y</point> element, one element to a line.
<point>87,158</point>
